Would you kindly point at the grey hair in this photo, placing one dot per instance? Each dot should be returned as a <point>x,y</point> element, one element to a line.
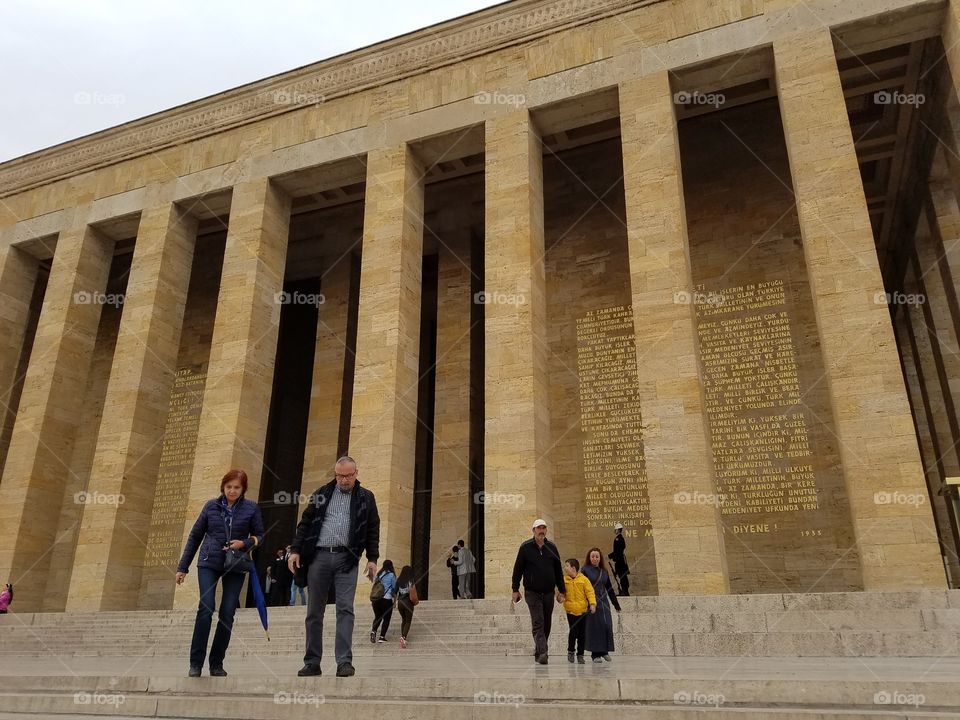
<point>345,459</point>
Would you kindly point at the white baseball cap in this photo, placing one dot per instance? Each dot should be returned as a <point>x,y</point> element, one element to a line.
<point>618,526</point>
<point>538,522</point>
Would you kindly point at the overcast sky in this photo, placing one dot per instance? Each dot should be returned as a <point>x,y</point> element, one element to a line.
<point>72,67</point>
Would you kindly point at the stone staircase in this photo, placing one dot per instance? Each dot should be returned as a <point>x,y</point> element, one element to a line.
<point>864,655</point>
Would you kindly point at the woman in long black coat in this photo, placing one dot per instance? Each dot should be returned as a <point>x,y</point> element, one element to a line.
<point>600,623</point>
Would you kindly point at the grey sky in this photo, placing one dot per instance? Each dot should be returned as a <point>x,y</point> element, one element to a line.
<point>71,68</point>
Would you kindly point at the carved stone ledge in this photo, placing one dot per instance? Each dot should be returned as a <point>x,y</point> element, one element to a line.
<point>419,52</point>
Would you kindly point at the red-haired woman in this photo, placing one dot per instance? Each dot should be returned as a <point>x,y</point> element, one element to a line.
<point>229,522</point>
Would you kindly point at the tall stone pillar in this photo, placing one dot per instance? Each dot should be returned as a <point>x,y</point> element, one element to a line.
<point>326,391</point>
<point>384,415</point>
<point>686,536</point>
<point>37,466</point>
<point>450,496</point>
<point>236,398</point>
<point>517,413</point>
<point>18,275</point>
<point>113,535</point>
<point>876,440</point>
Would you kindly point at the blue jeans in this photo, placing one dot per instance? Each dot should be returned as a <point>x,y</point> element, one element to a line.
<point>293,594</point>
<point>230,598</point>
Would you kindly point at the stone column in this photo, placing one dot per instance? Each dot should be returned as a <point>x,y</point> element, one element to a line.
<point>37,464</point>
<point>236,398</point>
<point>326,393</point>
<point>686,536</point>
<point>950,129</point>
<point>517,411</point>
<point>876,439</point>
<point>18,276</point>
<point>113,535</point>
<point>384,414</point>
<point>450,497</point>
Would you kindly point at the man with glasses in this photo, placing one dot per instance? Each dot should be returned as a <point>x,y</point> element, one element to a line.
<point>340,523</point>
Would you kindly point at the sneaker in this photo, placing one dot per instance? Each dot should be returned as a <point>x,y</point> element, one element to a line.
<point>607,658</point>
<point>569,657</point>
<point>403,643</point>
<point>598,660</point>
<point>542,660</point>
<point>373,636</point>
<point>581,660</point>
<point>309,669</point>
<point>345,670</point>
<point>382,639</point>
<point>194,671</point>
<point>218,672</point>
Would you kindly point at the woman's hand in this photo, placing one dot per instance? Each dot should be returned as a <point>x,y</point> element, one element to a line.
<point>181,577</point>
<point>236,545</point>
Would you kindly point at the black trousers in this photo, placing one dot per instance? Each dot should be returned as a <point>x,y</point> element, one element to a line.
<point>541,618</point>
<point>577,637</point>
<point>382,611</point>
<point>406,614</point>
<point>454,583</point>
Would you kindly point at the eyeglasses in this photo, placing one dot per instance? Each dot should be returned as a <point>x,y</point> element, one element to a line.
<point>348,475</point>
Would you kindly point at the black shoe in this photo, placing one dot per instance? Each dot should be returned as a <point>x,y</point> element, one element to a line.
<point>345,670</point>
<point>308,670</point>
<point>569,657</point>
<point>194,671</point>
<point>542,659</point>
<point>373,636</point>
<point>218,672</point>
<point>581,660</point>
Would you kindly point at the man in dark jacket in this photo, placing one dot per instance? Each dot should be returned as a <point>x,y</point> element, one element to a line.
<point>619,557</point>
<point>340,523</point>
<point>538,565</point>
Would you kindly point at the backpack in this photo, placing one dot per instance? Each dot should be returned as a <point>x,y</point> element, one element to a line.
<point>378,590</point>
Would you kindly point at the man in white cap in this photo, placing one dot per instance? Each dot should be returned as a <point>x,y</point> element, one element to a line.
<point>538,565</point>
<point>618,556</point>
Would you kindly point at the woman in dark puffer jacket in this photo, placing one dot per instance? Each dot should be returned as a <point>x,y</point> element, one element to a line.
<point>228,522</point>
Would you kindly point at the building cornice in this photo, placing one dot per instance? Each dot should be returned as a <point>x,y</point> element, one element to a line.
<point>412,54</point>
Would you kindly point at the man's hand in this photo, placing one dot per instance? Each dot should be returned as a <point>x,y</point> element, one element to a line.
<point>293,562</point>
<point>516,596</point>
<point>561,598</point>
<point>181,577</point>
<point>371,570</point>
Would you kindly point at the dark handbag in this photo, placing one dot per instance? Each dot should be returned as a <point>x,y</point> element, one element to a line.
<point>236,561</point>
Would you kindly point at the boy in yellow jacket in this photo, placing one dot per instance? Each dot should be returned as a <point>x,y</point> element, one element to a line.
<point>579,598</point>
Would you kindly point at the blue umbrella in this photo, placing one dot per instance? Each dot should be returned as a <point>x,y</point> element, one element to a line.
<point>259,599</point>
